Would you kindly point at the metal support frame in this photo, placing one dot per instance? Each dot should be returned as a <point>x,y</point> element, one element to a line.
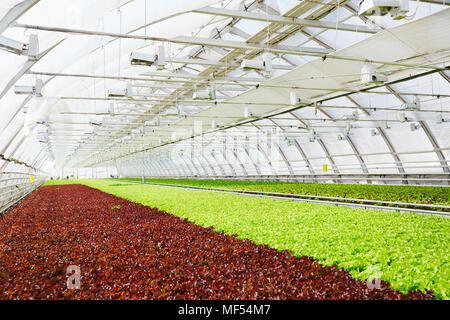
<point>15,13</point>
<point>283,20</point>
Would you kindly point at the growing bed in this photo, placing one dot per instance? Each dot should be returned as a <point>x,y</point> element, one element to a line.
<point>411,194</point>
<point>129,251</point>
<point>411,251</point>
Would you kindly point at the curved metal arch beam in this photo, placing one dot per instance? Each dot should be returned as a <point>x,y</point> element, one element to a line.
<point>193,165</point>
<point>160,170</point>
<point>25,155</point>
<point>288,163</point>
<point>358,156</point>
<point>213,170</point>
<point>269,162</point>
<point>168,166</point>
<point>15,13</point>
<point>140,161</point>
<point>150,169</point>
<point>428,133</point>
<point>4,165</point>
<point>349,141</point>
<point>175,168</point>
<point>201,163</point>
<point>240,163</point>
<point>300,149</point>
<point>305,158</point>
<point>238,160</point>
<point>5,148</point>
<point>157,169</point>
<point>445,75</point>
<point>145,168</point>
<point>384,136</point>
<point>224,155</point>
<point>205,171</point>
<point>36,158</point>
<point>40,161</point>
<point>323,43</point>
<point>328,155</point>
<point>255,165</point>
<point>436,147</point>
<point>165,167</point>
<point>285,159</point>
<point>219,165</point>
<point>187,167</point>
<point>321,143</point>
<point>260,149</point>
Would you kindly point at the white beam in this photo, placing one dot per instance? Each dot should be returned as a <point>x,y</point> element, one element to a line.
<point>15,12</point>
<point>250,46</point>
<point>215,43</point>
<point>218,63</point>
<point>283,20</point>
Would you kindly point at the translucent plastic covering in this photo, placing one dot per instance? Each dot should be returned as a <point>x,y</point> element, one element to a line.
<point>241,89</point>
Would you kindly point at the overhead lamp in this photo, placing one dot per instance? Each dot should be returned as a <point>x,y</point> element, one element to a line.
<point>439,119</point>
<point>121,93</point>
<point>397,8</point>
<point>369,75</point>
<point>34,90</point>
<point>160,58</point>
<point>347,129</point>
<point>142,59</point>
<point>311,135</point>
<point>13,46</point>
<point>208,94</point>
<point>402,117</point>
<point>414,105</point>
<point>249,114</point>
<point>252,65</point>
<point>294,98</point>
<point>353,117</point>
<point>258,65</point>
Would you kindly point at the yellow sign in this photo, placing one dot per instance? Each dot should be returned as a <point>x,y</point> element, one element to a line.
<point>31,179</point>
<point>325,168</point>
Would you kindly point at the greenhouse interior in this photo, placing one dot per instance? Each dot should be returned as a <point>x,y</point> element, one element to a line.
<point>225,150</point>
